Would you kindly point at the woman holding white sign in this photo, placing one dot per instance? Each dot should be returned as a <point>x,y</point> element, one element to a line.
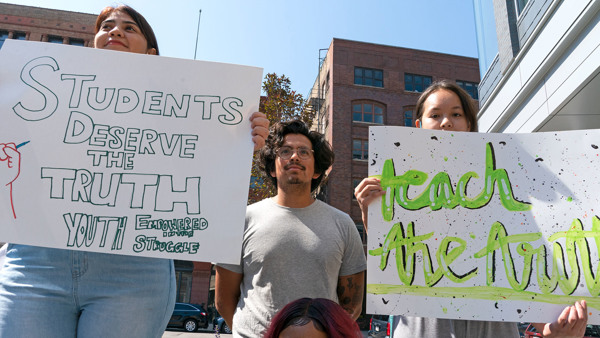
<point>446,106</point>
<point>62,293</point>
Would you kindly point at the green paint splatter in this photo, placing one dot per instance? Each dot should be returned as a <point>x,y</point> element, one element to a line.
<point>520,165</point>
<point>445,310</point>
<point>445,158</point>
<point>570,199</point>
<point>472,235</point>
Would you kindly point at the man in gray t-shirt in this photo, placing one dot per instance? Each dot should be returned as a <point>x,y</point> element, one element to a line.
<point>294,246</point>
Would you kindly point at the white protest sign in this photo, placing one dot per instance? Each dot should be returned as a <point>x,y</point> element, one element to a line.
<point>127,153</point>
<point>476,226</point>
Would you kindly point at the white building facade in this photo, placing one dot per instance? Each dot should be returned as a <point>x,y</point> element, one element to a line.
<point>544,76</point>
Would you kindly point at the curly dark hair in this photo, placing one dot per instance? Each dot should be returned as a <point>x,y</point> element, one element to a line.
<point>322,150</point>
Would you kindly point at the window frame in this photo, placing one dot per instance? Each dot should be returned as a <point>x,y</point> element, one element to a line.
<point>364,149</point>
<point>410,110</point>
<point>464,84</point>
<point>55,38</point>
<point>355,183</point>
<point>374,116</point>
<point>373,78</point>
<point>3,37</point>
<point>520,8</point>
<point>413,82</point>
<point>79,42</point>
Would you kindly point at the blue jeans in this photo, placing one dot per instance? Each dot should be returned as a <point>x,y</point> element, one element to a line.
<point>62,293</point>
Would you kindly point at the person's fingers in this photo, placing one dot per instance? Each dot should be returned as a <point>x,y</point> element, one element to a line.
<point>257,114</point>
<point>367,191</point>
<point>258,119</point>
<point>260,129</point>
<point>579,317</point>
<point>259,142</point>
<point>563,318</point>
<point>369,183</point>
<point>560,323</point>
<point>366,201</point>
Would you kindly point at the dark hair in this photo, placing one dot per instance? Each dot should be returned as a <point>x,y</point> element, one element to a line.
<point>326,315</point>
<point>322,150</point>
<point>468,105</point>
<point>145,28</point>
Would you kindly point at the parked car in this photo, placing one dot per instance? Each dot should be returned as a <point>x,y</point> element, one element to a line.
<point>220,325</point>
<point>379,326</point>
<point>590,331</point>
<point>190,317</point>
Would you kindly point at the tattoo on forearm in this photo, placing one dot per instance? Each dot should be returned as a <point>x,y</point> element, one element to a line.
<point>349,294</point>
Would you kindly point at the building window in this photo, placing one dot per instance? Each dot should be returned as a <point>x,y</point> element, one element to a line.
<point>360,149</point>
<point>469,87</point>
<point>19,36</point>
<point>520,4</point>
<point>3,36</point>
<point>367,112</point>
<point>368,77</point>
<point>76,42</point>
<point>55,39</point>
<point>362,233</point>
<point>408,118</point>
<point>355,183</point>
<point>416,83</point>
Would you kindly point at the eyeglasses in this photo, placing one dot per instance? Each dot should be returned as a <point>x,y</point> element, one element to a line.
<point>285,153</point>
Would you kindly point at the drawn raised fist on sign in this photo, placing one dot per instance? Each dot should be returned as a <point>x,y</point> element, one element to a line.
<point>10,167</point>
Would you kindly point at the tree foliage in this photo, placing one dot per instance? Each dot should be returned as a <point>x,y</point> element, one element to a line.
<point>280,104</point>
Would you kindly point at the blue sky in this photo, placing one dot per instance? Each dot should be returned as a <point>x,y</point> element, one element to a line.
<point>285,36</point>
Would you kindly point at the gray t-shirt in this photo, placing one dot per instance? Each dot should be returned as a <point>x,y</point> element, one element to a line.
<point>420,327</point>
<point>291,253</point>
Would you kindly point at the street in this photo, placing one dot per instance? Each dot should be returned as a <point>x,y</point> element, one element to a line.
<point>208,332</point>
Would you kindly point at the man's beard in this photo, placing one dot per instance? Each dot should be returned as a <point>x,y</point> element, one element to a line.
<point>294,183</point>
<point>294,180</point>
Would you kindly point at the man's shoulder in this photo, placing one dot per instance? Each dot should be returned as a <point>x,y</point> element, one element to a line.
<point>265,203</point>
<point>335,212</point>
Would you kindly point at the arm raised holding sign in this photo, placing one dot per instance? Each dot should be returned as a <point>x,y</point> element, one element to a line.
<point>75,293</point>
<point>446,106</point>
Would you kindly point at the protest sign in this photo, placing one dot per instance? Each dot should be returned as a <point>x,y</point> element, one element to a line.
<point>500,227</point>
<point>124,153</point>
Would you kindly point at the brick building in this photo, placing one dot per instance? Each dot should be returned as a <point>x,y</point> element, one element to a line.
<point>56,26</point>
<point>363,84</point>
<point>48,25</point>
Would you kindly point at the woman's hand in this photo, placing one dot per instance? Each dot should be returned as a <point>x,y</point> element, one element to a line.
<point>571,322</point>
<point>260,129</point>
<point>366,192</point>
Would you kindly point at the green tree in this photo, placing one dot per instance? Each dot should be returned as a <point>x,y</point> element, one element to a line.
<point>280,104</point>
